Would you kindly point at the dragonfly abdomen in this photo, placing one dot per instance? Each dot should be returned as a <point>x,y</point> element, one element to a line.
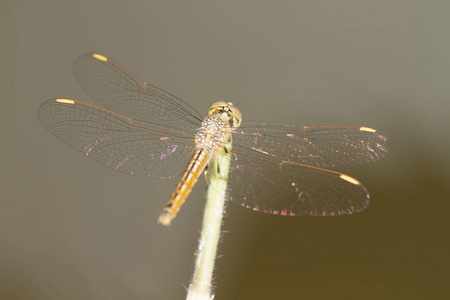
<point>184,187</point>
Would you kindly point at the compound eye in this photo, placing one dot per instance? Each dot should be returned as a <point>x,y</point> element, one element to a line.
<point>228,108</point>
<point>236,112</point>
<point>217,105</point>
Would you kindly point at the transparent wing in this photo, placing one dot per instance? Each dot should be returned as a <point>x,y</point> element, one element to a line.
<point>120,91</point>
<point>320,146</point>
<point>266,184</point>
<point>124,144</point>
<point>277,168</point>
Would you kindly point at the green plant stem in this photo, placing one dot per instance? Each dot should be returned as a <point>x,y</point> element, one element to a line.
<point>200,287</point>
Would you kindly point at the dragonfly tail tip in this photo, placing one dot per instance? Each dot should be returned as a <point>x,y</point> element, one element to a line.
<point>164,220</point>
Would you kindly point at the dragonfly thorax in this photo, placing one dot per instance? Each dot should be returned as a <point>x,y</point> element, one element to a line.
<point>212,134</point>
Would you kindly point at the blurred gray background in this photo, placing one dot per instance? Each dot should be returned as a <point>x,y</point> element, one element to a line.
<point>72,229</point>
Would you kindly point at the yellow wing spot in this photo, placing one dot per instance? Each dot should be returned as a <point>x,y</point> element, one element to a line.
<point>349,179</point>
<point>100,57</point>
<point>367,129</point>
<point>67,101</point>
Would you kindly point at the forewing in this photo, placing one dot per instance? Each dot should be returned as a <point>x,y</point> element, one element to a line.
<point>319,146</point>
<point>116,141</point>
<point>268,185</point>
<point>122,92</point>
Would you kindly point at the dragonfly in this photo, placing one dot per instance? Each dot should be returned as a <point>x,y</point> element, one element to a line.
<point>275,168</point>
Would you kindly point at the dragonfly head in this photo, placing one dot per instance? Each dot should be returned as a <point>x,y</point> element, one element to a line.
<point>226,111</point>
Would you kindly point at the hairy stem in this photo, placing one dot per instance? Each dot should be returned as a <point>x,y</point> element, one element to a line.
<point>200,287</point>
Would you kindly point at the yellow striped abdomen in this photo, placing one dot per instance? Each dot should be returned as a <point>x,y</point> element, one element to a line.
<point>196,166</point>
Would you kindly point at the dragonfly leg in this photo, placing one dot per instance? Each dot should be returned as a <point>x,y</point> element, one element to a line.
<point>206,176</point>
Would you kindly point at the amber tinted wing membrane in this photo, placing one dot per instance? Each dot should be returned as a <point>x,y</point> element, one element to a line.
<point>120,91</point>
<point>320,146</point>
<point>117,141</point>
